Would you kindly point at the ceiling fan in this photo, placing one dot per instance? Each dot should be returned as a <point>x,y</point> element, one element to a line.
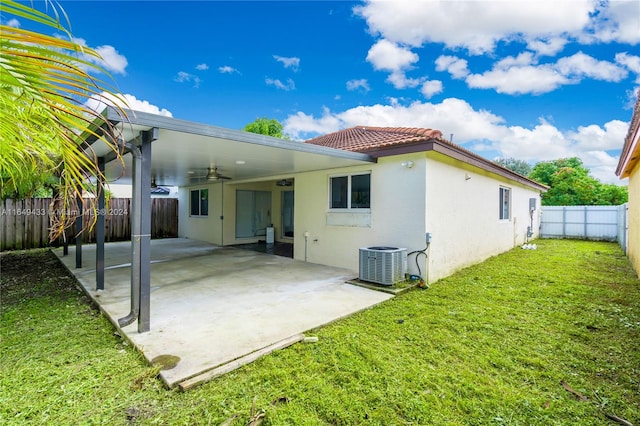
<point>212,175</point>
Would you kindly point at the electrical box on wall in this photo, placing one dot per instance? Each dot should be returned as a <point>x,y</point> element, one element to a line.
<point>532,203</point>
<point>428,237</point>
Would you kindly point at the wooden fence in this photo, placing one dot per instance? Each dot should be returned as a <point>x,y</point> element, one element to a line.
<point>24,224</point>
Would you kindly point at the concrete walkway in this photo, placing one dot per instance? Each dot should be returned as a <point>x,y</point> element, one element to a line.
<point>217,308</point>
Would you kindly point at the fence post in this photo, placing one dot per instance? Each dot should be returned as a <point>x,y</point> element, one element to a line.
<point>585,222</point>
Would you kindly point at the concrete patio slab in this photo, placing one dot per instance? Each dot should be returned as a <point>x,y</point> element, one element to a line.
<point>214,305</point>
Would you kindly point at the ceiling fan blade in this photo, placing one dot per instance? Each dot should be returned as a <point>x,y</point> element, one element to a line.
<point>212,174</point>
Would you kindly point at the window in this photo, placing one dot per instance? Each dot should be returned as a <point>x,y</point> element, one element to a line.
<point>505,203</point>
<point>200,202</point>
<point>350,192</point>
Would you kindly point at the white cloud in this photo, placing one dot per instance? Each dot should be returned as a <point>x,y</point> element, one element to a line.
<point>479,130</point>
<point>451,115</point>
<point>99,102</point>
<point>581,65</point>
<point>601,166</point>
<point>358,84</point>
<point>111,61</point>
<point>400,80</point>
<point>523,59</point>
<point>455,66</point>
<point>522,74</point>
<point>226,69</point>
<point>631,97</point>
<point>430,88</point>
<point>13,23</point>
<point>202,67</point>
<point>518,80</point>
<point>547,47</point>
<point>631,62</point>
<point>594,137</point>
<point>477,25</point>
<point>302,124</point>
<point>292,62</point>
<point>543,26</point>
<point>388,56</point>
<point>616,21</point>
<point>290,85</point>
<point>185,77</point>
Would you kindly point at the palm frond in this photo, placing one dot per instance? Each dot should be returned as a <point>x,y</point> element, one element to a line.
<point>44,82</point>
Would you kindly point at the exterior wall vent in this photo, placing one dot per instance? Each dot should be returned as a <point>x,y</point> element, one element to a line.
<point>383,265</point>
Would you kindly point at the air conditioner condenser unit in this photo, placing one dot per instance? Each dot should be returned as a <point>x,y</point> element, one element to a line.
<point>383,265</point>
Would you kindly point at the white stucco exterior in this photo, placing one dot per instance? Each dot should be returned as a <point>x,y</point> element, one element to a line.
<point>396,217</point>
<point>463,215</point>
<point>219,227</point>
<point>456,202</point>
<point>633,244</point>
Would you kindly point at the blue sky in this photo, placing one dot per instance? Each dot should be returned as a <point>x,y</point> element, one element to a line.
<point>534,80</point>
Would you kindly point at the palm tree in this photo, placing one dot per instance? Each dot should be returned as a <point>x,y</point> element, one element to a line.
<point>44,81</point>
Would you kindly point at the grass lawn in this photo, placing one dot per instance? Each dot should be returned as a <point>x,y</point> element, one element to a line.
<point>512,341</point>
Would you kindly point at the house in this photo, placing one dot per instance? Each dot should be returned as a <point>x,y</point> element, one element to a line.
<point>416,184</point>
<point>328,197</point>
<point>629,167</point>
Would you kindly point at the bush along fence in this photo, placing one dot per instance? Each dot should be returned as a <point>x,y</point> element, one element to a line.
<point>24,224</point>
<point>608,223</point>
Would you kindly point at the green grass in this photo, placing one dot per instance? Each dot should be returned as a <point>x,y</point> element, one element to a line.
<point>489,345</point>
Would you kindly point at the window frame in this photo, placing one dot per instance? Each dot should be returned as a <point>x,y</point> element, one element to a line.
<point>501,203</point>
<point>349,193</point>
<point>199,212</point>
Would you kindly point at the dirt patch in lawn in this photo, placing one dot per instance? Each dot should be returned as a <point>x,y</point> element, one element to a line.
<point>41,269</point>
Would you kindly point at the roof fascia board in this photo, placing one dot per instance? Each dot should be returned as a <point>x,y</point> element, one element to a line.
<point>172,124</point>
<point>96,127</point>
<point>458,154</point>
<point>631,148</point>
<point>630,154</point>
<point>485,165</point>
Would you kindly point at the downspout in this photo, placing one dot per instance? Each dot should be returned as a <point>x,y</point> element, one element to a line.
<point>135,231</point>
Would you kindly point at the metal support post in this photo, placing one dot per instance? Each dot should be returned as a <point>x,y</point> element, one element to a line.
<point>144,319</point>
<point>78,231</point>
<point>100,227</point>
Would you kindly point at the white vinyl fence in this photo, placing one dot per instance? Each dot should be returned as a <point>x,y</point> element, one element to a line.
<point>608,223</point>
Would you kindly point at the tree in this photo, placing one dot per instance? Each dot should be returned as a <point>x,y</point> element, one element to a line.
<point>571,185</point>
<point>519,166</point>
<point>44,81</point>
<point>266,126</point>
<point>613,195</point>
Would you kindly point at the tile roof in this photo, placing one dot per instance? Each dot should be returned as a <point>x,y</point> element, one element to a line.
<point>365,138</point>
<point>384,141</point>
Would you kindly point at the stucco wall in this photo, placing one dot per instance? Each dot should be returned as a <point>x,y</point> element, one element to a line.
<point>463,215</point>
<point>633,247</point>
<point>207,228</point>
<point>396,214</point>
<point>406,202</point>
<point>223,197</point>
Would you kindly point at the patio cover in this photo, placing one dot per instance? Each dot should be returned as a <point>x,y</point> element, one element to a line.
<point>175,152</point>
